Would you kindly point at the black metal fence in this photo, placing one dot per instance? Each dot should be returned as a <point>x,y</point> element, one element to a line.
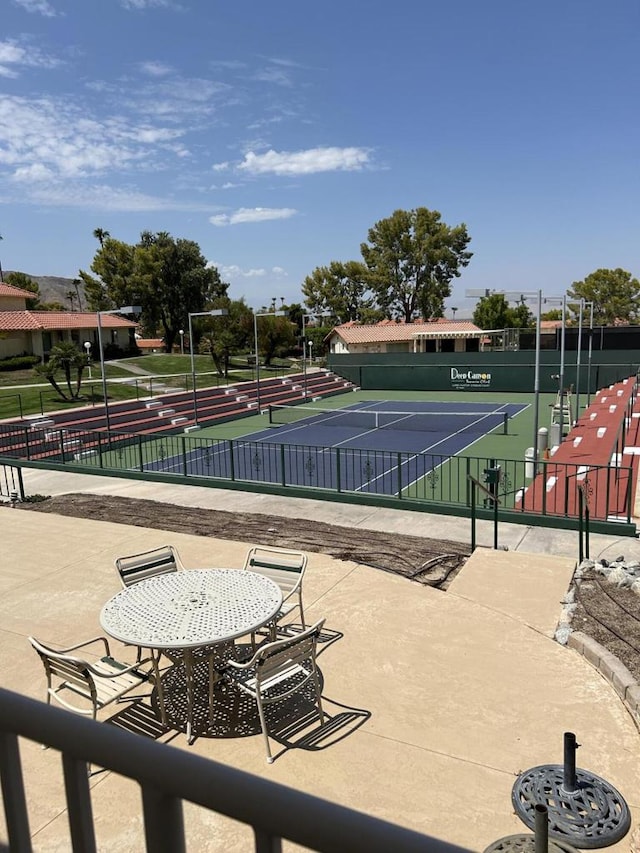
<point>545,488</point>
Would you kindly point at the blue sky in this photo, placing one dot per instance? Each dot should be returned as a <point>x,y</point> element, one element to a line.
<point>276,134</point>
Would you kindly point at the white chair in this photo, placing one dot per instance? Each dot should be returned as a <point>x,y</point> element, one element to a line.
<point>277,671</point>
<point>286,568</point>
<point>100,683</point>
<point>148,564</point>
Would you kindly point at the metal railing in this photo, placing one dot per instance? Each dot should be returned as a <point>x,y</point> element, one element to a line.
<point>402,477</point>
<point>169,776</point>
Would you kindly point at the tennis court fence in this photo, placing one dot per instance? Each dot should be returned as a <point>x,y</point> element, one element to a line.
<point>427,481</point>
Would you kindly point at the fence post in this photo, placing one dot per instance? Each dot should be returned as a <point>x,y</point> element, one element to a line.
<point>399,466</point>
<point>338,477</point>
<point>61,434</point>
<point>232,469</point>
<point>140,453</point>
<point>184,455</point>
<point>580,514</point>
<point>283,478</point>
<point>100,450</point>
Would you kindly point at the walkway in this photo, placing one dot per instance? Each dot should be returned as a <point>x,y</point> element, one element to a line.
<point>438,700</point>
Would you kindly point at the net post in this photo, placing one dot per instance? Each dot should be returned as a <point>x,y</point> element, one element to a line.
<point>506,423</point>
<point>270,414</point>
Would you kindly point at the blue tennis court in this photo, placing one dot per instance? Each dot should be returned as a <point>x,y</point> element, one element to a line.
<point>368,447</point>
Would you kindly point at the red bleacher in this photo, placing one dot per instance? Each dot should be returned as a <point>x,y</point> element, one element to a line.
<point>599,455</point>
<point>170,413</point>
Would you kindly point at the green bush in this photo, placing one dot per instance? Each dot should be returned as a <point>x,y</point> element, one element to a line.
<point>19,362</point>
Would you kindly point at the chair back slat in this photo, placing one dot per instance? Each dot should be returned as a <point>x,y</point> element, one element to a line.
<point>137,567</point>
<point>281,565</point>
<point>277,661</point>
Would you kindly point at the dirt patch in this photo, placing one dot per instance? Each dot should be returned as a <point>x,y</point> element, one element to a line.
<point>611,616</point>
<point>428,561</point>
<point>607,614</point>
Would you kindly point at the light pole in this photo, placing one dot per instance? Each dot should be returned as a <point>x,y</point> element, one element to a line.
<point>128,309</point>
<point>311,352</point>
<point>255,338</point>
<point>561,300</point>
<point>181,333</point>
<point>527,296</point>
<point>306,317</point>
<point>87,346</point>
<point>217,312</point>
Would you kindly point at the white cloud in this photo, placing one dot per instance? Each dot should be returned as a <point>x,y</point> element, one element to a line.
<point>308,162</point>
<point>103,197</point>
<point>155,69</point>
<point>252,214</point>
<point>148,4</point>
<point>273,75</point>
<point>12,53</point>
<point>41,7</point>
<point>48,136</point>
<point>221,167</point>
<point>233,271</point>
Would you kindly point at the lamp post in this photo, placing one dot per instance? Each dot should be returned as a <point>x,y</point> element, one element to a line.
<point>128,309</point>
<point>526,296</point>
<point>306,317</point>
<point>87,346</point>
<point>255,338</point>
<point>561,300</point>
<point>311,351</point>
<point>216,312</point>
<point>181,333</point>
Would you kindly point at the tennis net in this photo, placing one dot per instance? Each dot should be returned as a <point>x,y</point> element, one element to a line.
<point>480,422</point>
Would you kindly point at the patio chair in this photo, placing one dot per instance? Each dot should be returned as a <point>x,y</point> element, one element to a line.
<point>100,683</point>
<point>277,671</point>
<point>148,564</point>
<point>286,568</point>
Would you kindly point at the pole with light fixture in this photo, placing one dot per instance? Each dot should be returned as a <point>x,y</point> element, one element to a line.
<point>87,346</point>
<point>127,309</point>
<point>255,338</point>
<point>561,300</point>
<point>526,296</point>
<point>181,333</point>
<point>306,317</point>
<point>216,312</point>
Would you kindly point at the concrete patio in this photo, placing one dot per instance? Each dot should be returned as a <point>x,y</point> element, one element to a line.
<point>439,700</point>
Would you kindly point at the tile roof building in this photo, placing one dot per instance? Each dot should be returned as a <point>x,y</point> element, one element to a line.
<point>24,332</point>
<point>393,336</point>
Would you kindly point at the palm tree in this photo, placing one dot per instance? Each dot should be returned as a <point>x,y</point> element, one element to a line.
<point>64,356</point>
<point>71,296</point>
<point>76,283</point>
<point>101,235</point>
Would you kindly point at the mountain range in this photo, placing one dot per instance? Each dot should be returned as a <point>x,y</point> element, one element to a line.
<point>56,289</point>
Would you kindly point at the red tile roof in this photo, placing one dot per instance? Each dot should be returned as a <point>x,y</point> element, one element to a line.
<point>54,320</point>
<point>10,290</point>
<point>149,343</point>
<point>388,330</point>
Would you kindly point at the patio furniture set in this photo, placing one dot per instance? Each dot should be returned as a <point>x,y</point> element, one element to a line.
<point>192,617</point>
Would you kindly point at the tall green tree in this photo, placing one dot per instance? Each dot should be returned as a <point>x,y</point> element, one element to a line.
<point>168,278</point>
<point>615,295</point>
<point>341,289</point>
<point>222,337</point>
<point>411,259</point>
<point>494,312</point>
<point>67,359</point>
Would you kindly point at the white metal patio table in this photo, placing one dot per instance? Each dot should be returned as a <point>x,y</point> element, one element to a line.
<point>184,611</point>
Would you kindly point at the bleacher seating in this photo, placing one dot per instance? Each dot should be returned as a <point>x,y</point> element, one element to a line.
<point>66,432</point>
